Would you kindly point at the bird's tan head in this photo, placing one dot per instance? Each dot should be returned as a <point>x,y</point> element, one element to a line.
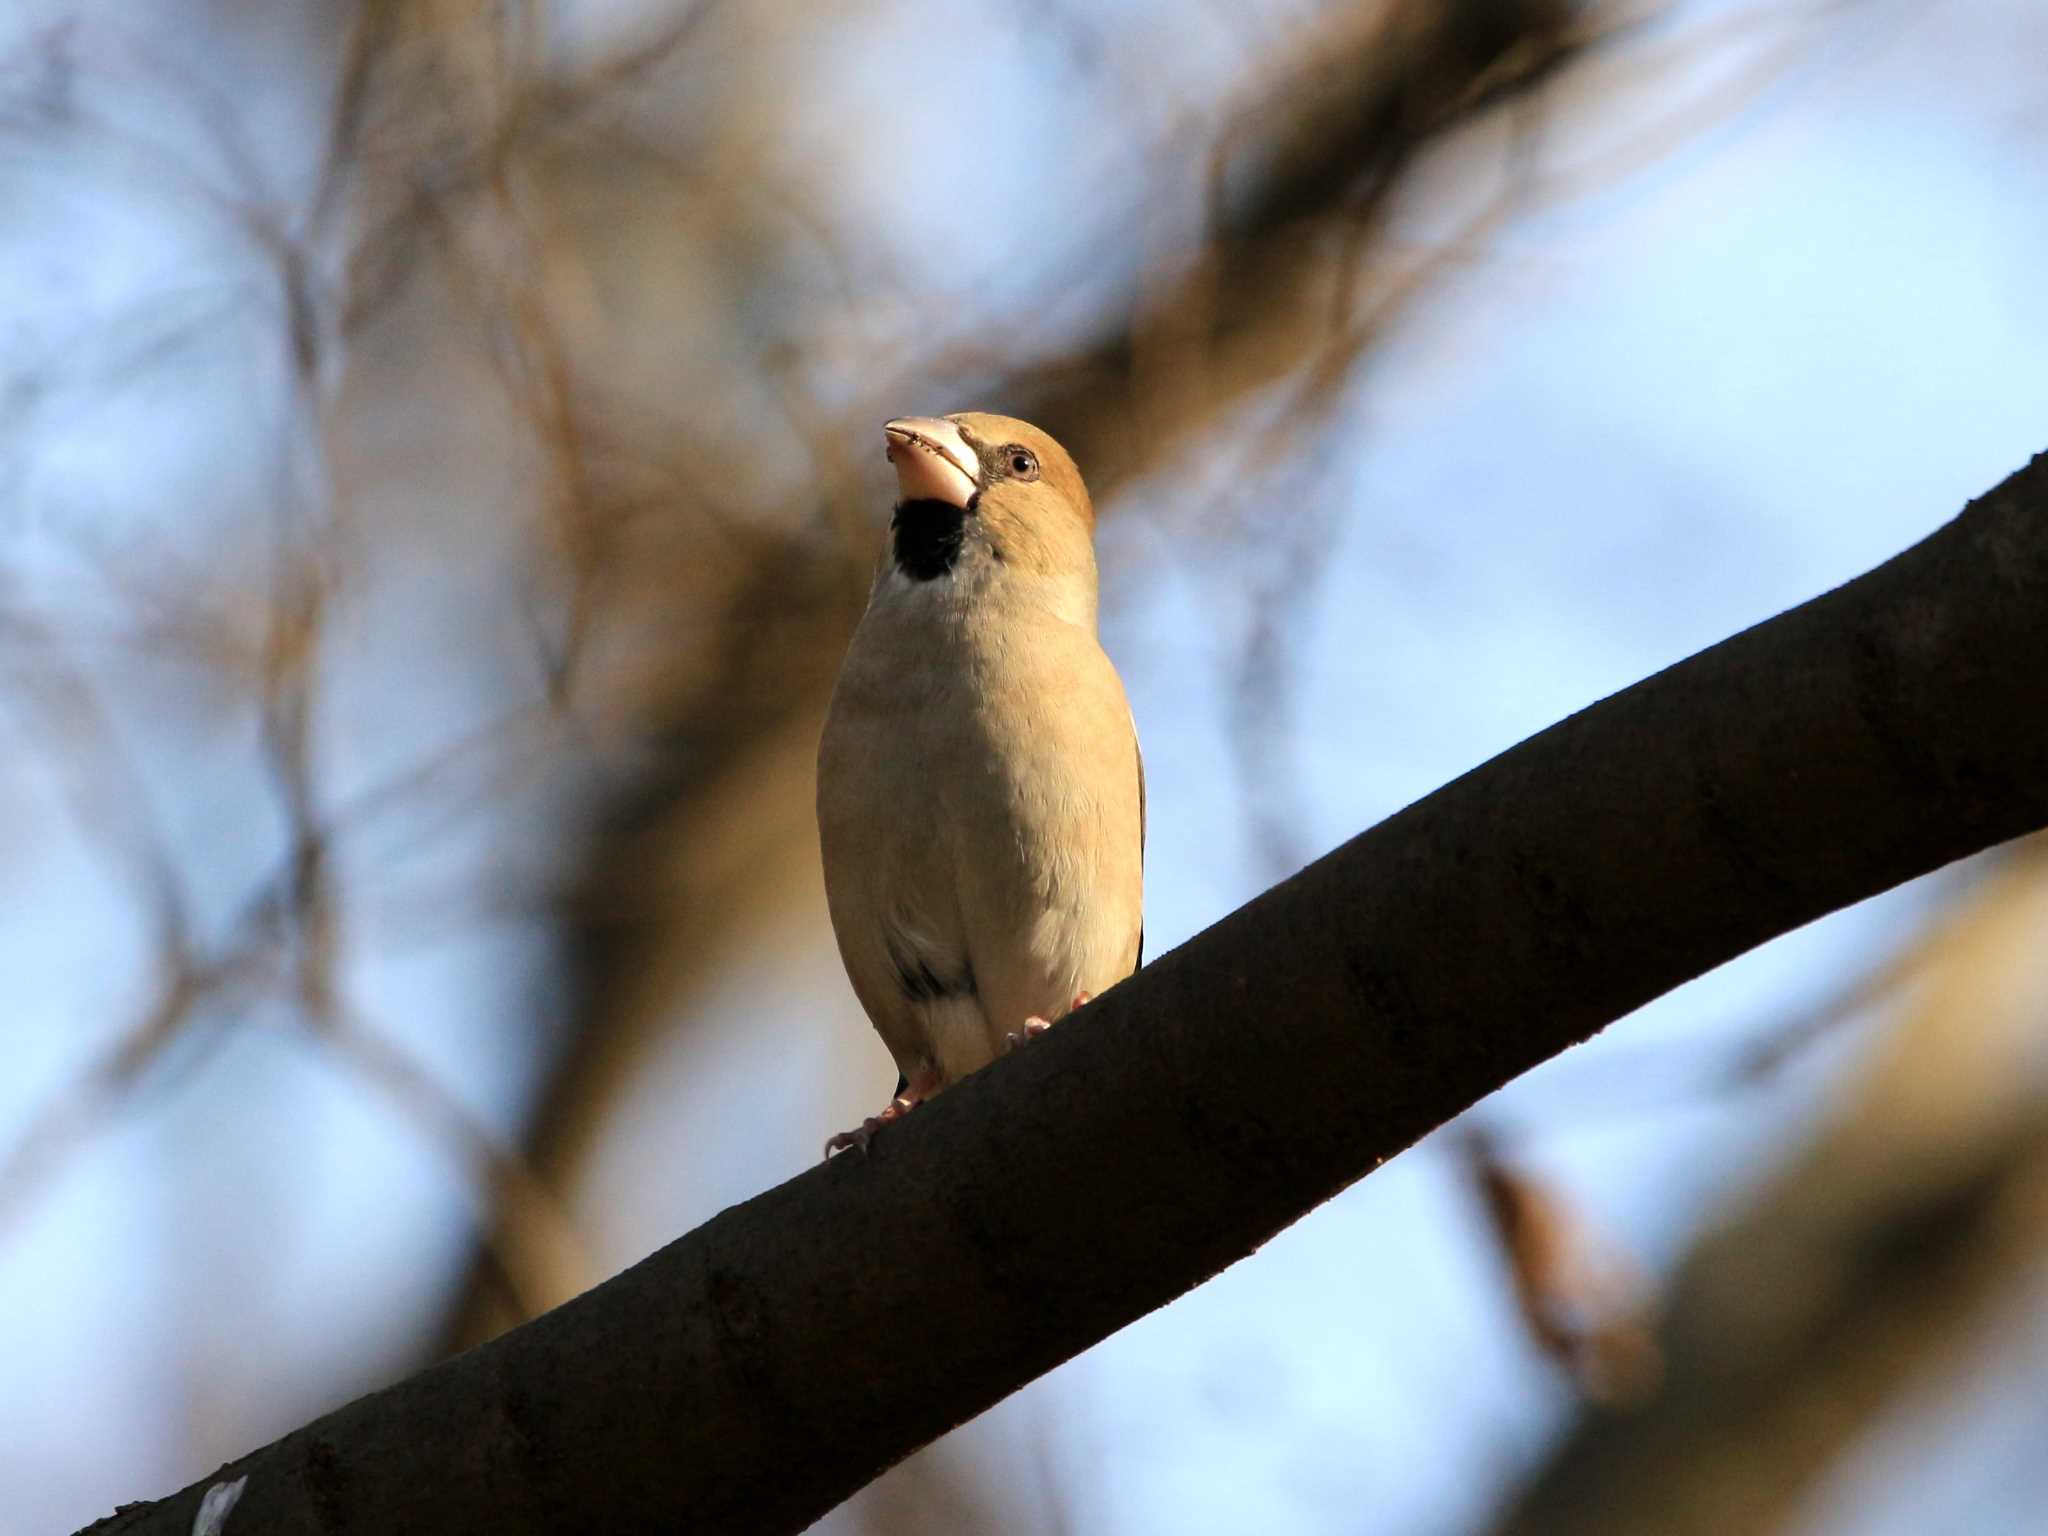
<point>1013,480</point>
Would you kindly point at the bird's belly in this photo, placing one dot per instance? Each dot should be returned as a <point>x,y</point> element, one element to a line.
<point>989,869</point>
<point>1024,965</point>
<point>1050,888</point>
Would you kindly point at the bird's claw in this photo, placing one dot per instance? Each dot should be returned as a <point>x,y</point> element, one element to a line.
<point>858,1138</point>
<point>1033,1028</point>
<point>1036,1026</point>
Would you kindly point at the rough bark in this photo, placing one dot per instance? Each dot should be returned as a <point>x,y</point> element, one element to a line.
<point>758,1370</point>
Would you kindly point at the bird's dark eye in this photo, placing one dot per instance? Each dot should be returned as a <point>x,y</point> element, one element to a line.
<point>1021,462</point>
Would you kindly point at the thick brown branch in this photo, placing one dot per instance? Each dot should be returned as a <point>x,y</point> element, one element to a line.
<point>758,1370</point>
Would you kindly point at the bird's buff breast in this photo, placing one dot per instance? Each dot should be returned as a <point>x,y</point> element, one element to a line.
<point>994,833</point>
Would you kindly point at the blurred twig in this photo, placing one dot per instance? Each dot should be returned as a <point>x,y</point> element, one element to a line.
<point>1582,1298</point>
<point>530,1246</point>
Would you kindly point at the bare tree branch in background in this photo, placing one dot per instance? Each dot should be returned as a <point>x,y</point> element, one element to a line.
<point>755,1372</point>
<point>1582,1298</point>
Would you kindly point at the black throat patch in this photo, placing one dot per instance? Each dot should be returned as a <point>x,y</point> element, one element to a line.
<point>928,535</point>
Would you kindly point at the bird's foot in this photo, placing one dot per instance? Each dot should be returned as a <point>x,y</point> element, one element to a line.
<point>1033,1028</point>
<point>859,1137</point>
<point>1036,1026</point>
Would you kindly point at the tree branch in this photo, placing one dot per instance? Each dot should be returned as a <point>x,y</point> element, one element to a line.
<point>757,1371</point>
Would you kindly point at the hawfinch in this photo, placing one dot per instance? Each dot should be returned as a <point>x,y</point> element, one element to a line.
<point>981,800</point>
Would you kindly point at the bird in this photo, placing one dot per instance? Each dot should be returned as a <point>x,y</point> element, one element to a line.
<point>981,790</point>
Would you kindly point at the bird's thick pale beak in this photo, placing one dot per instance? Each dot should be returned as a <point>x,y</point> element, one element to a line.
<point>932,459</point>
